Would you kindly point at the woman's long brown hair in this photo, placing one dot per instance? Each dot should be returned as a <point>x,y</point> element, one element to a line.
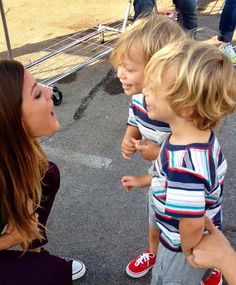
<point>22,162</point>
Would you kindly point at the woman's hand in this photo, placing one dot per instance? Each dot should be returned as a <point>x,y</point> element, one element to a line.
<point>212,249</point>
<point>12,236</point>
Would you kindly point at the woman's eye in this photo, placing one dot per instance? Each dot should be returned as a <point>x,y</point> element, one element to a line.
<point>39,94</point>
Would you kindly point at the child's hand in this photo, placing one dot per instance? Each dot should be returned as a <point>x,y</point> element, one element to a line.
<point>148,149</point>
<point>128,148</point>
<point>129,182</point>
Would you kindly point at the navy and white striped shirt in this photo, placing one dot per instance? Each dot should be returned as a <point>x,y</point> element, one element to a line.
<point>187,182</point>
<point>155,131</point>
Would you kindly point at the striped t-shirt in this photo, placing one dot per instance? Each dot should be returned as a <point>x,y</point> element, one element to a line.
<point>154,131</point>
<point>187,182</point>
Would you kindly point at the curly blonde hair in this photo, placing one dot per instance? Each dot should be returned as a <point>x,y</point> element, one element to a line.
<point>203,81</point>
<point>148,34</point>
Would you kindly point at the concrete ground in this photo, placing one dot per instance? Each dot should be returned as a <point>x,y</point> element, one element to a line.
<point>93,219</point>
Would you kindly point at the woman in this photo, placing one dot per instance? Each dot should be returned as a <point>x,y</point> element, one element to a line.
<point>28,182</point>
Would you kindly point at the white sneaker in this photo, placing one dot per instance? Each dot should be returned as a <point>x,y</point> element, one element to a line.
<point>78,268</point>
<point>229,51</point>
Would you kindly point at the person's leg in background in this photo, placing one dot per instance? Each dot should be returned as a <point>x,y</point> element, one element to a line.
<point>188,13</point>
<point>140,265</point>
<point>187,9</point>
<point>226,29</point>
<point>143,6</point>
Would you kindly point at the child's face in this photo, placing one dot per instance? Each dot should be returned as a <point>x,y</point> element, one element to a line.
<point>157,106</point>
<point>131,72</point>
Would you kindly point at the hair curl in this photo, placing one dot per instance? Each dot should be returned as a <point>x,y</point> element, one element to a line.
<point>203,81</point>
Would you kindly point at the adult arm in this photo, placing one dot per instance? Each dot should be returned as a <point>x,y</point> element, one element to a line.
<point>215,251</point>
<point>12,236</point>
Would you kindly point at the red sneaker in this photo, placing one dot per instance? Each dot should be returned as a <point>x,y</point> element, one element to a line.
<point>140,265</point>
<point>214,279</point>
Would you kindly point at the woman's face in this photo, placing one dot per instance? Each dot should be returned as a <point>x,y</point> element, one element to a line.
<point>38,117</point>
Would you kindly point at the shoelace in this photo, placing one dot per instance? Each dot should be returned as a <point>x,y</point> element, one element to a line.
<point>229,49</point>
<point>66,258</point>
<point>145,257</point>
<point>214,272</point>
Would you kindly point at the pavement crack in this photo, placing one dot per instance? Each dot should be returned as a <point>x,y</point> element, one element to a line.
<point>85,102</point>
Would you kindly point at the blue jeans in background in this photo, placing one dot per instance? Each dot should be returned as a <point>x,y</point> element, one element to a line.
<point>186,8</point>
<point>142,7</point>
<point>188,13</point>
<point>227,21</point>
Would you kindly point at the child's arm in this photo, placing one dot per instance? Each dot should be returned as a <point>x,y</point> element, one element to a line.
<point>191,232</point>
<point>128,144</point>
<point>128,182</point>
<point>149,150</point>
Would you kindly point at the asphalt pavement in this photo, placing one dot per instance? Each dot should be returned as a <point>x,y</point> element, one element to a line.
<point>93,219</point>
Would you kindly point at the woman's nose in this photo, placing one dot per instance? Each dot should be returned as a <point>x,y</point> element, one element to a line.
<point>48,93</point>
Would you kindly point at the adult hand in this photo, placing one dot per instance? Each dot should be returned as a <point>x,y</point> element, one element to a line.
<point>212,249</point>
<point>191,261</point>
<point>149,150</point>
<point>11,237</point>
<point>10,226</point>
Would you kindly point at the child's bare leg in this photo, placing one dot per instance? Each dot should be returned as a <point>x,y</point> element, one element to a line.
<point>140,265</point>
<point>153,229</point>
<point>153,239</point>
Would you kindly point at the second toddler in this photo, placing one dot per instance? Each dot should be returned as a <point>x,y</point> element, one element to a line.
<point>130,56</point>
<point>190,86</point>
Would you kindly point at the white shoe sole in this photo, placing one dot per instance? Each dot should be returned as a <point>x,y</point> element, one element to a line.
<point>137,275</point>
<point>80,273</point>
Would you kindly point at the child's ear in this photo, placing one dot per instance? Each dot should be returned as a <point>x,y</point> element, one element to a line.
<point>187,111</point>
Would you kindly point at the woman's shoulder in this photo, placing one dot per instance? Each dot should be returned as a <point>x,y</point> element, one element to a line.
<point>52,175</point>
